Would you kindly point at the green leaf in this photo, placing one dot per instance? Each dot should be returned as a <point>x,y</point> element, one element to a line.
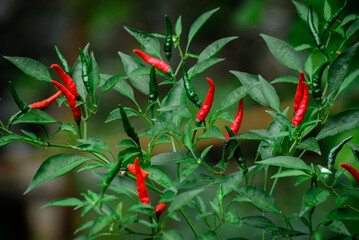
<point>212,132</point>
<point>168,158</point>
<point>201,66</point>
<point>183,199</point>
<point>310,144</point>
<point>95,143</point>
<point>119,184</point>
<point>67,127</point>
<point>248,80</point>
<point>149,43</point>
<point>172,235</point>
<point>76,75</point>
<point>302,10</point>
<point>313,197</point>
<point>281,119</point>
<point>237,94</point>
<point>214,48</point>
<point>65,202</point>
<point>210,235</point>
<point>353,76</point>
<point>36,116</point>
<point>99,224</point>
<point>339,68</point>
<point>287,162</point>
<point>112,81</point>
<point>161,177</point>
<point>285,79</point>
<point>31,67</point>
<point>187,135</point>
<point>339,123</point>
<point>126,143</point>
<point>303,47</point>
<point>176,97</point>
<point>116,115</point>
<point>232,217</point>
<point>352,29</point>
<point>260,222</point>
<point>342,214</point>
<point>8,138</point>
<point>187,169</point>
<point>248,136</point>
<point>178,27</point>
<point>338,227</point>
<point>289,173</point>
<point>131,64</point>
<point>196,180</point>
<point>230,182</point>
<point>31,135</point>
<point>258,198</point>
<point>56,166</point>
<point>94,73</point>
<point>284,53</point>
<point>198,23</point>
<point>90,167</point>
<point>327,10</point>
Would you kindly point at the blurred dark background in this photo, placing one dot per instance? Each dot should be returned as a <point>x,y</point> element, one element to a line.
<point>32,29</point>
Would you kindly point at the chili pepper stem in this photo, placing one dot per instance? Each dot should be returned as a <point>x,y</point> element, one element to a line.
<point>275,182</point>
<point>190,224</point>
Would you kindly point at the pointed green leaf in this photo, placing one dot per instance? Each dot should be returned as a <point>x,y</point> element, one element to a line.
<point>36,116</point>
<point>202,66</point>
<point>161,177</point>
<point>313,197</point>
<point>187,169</point>
<point>310,144</point>
<point>290,173</point>
<point>56,166</point>
<point>212,132</point>
<point>285,79</point>
<point>65,202</point>
<point>94,73</point>
<point>183,198</point>
<point>31,67</point>
<point>327,10</point>
<point>149,43</point>
<point>237,94</point>
<point>214,48</point>
<point>352,77</point>
<point>287,162</point>
<point>168,158</point>
<point>172,235</point>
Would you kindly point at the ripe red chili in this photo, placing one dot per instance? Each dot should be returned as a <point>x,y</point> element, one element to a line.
<point>76,111</point>
<point>237,119</point>
<point>70,84</point>
<point>299,93</point>
<point>159,64</point>
<point>160,207</point>
<point>206,107</point>
<point>131,167</point>
<point>141,184</point>
<point>45,103</point>
<point>351,170</point>
<point>299,115</point>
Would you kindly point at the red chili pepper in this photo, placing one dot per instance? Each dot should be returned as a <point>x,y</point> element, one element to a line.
<point>237,119</point>
<point>299,93</point>
<point>159,64</point>
<point>141,184</point>
<point>299,115</point>
<point>160,207</point>
<point>351,170</point>
<point>45,103</point>
<point>132,169</point>
<point>206,107</point>
<point>76,111</point>
<point>70,84</point>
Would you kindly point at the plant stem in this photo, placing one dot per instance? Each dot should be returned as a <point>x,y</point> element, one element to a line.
<point>184,214</point>
<point>275,182</point>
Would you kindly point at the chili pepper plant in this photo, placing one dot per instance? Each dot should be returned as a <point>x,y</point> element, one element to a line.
<point>138,188</point>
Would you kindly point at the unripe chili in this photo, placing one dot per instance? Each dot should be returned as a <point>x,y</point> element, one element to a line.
<point>167,47</point>
<point>45,103</point>
<point>299,93</point>
<point>317,81</point>
<point>159,64</point>
<point>131,167</point>
<point>240,160</point>
<point>85,72</point>
<point>111,175</point>
<point>141,184</point>
<point>70,84</point>
<point>313,31</point>
<point>237,119</point>
<point>190,92</point>
<point>351,170</point>
<point>129,129</point>
<point>334,152</point>
<point>333,18</point>
<point>76,111</point>
<point>63,61</point>
<point>19,102</point>
<point>206,107</point>
<point>153,85</point>
<point>299,115</point>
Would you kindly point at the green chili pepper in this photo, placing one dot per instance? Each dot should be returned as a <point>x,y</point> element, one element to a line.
<point>316,82</point>
<point>191,94</point>
<point>334,152</point>
<point>314,32</point>
<point>153,93</point>
<point>111,175</point>
<point>85,72</point>
<point>240,160</point>
<point>63,61</point>
<point>130,131</point>
<point>167,47</point>
<point>19,102</point>
<point>333,18</point>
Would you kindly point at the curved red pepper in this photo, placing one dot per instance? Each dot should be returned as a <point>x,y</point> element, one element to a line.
<point>131,167</point>
<point>76,111</point>
<point>351,170</point>
<point>45,103</point>
<point>70,84</point>
<point>159,64</point>
<point>141,184</point>
<point>160,207</point>
<point>206,107</point>
<point>299,94</point>
<point>299,115</point>
<point>237,119</point>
